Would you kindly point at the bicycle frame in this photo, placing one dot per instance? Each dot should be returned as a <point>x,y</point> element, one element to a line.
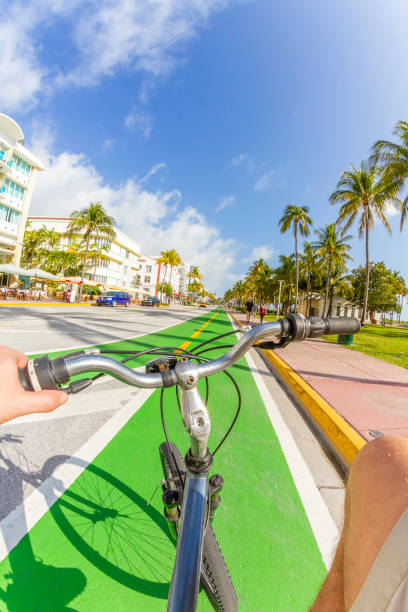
<point>187,567</point>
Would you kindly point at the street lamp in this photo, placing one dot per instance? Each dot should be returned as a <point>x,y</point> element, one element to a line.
<point>279,297</point>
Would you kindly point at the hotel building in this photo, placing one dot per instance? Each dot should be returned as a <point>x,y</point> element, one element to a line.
<point>121,266</point>
<point>18,169</point>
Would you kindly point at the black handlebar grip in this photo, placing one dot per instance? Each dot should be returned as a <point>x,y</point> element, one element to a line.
<point>24,379</point>
<point>332,325</point>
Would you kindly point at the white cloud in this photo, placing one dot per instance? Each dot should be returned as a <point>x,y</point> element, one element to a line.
<point>141,121</point>
<point>261,252</point>
<point>108,144</point>
<point>225,202</point>
<point>243,158</point>
<point>148,36</point>
<point>155,219</point>
<point>391,210</point>
<point>153,171</point>
<point>20,73</point>
<point>264,182</point>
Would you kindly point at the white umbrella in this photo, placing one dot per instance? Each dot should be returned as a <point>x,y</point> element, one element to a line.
<point>12,269</point>
<point>38,273</point>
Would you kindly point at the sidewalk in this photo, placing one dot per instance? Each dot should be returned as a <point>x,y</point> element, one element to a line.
<point>368,393</point>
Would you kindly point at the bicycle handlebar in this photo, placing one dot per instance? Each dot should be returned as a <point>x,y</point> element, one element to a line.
<point>43,373</point>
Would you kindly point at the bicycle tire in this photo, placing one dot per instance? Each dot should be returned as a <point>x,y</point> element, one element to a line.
<point>215,577</point>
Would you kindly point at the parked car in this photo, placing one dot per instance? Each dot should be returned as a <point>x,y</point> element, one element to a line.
<point>113,298</point>
<point>152,300</point>
<point>202,305</point>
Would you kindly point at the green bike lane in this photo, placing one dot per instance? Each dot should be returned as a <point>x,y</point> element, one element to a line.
<point>101,544</point>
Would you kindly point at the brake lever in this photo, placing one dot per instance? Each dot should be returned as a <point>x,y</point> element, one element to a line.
<point>271,345</point>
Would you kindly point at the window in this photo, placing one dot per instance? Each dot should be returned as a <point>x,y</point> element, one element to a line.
<point>147,289</point>
<point>353,312</point>
<point>146,279</point>
<point>101,279</point>
<point>101,242</point>
<point>148,269</point>
<point>14,190</point>
<point>345,311</point>
<point>338,311</point>
<point>20,165</point>
<point>8,215</point>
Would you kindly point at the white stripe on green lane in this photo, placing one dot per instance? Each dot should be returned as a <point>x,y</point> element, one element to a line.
<point>101,546</point>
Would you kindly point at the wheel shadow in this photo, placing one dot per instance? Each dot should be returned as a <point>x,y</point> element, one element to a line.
<point>107,522</point>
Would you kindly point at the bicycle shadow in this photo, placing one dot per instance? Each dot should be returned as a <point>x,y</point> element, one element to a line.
<point>33,585</point>
<point>107,522</point>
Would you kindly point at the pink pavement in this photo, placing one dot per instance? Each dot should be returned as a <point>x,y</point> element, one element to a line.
<point>368,393</point>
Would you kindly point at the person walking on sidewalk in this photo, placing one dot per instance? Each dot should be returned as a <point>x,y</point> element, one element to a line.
<point>249,306</point>
<point>262,312</point>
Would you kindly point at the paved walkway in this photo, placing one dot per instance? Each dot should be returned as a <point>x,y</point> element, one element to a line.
<point>368,393</point>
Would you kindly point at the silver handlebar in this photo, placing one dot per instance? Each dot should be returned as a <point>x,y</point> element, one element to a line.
<point>100,363</point>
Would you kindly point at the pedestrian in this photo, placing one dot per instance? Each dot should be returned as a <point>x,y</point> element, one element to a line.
<point>249,307</point>
<point>255,309</point>
<point>262,311</point>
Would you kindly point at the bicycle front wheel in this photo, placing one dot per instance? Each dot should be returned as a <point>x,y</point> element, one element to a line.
<point>215,577</point>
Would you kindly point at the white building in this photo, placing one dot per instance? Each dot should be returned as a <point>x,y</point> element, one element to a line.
<point>117,268</point>
<point>18,169</point>
<point>121,265</point>
<point>152,274</point>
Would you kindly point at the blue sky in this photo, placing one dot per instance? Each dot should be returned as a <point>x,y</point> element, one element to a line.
<point>197,121</point>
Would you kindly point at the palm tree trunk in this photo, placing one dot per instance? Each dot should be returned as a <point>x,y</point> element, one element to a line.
<point>326,297</point>
<point>308,295</point>
<point>297,266</point>
<point>83,268</point>
<point>367,281</point>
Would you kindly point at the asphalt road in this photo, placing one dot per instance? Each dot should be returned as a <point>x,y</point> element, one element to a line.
<point>28,443</point>
<point>36,329</point>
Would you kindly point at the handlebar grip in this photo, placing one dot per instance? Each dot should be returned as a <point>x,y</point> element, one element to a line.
<point>332,325</point>
<point>24,379</point>
<point>41,373</point>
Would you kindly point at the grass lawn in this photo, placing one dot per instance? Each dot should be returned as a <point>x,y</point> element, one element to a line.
<point>387,343</point>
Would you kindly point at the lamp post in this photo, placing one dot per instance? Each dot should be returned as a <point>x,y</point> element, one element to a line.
<point>279,297</point>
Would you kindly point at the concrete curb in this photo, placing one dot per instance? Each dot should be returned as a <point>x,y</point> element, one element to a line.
<point>343,439</point>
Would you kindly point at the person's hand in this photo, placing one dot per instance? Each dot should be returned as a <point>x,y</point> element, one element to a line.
<point>14,400</point>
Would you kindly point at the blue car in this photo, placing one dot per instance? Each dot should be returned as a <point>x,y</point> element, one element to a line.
<point>114,298</point>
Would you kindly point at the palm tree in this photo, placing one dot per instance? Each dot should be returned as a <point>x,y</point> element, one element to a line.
<point>298,218</point>
<point>333,250</point>
<point>286,272</point>
<point>91,222</point>
<point>364,194</point>
<point>309,264</point>
<point>392,159</point>
<point>259,277</point>
<point>174,260</point>
<point>168,258</point>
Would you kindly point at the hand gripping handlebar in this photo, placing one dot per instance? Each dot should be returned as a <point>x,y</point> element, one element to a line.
<point>43,373</point>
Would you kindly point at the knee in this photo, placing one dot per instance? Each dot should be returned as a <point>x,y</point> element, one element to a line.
<point>382,465</point>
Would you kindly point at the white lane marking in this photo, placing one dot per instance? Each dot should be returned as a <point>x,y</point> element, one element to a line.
<point>321,522</point>
<point>16,524</point>
<point>138,335</point>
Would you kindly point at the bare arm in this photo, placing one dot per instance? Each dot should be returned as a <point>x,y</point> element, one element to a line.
<point>14,400</point>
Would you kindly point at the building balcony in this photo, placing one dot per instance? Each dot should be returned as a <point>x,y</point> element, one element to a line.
<point>17,176</point>
<point>8,233</point>
<point>9,201</point>
<point>5,165</point>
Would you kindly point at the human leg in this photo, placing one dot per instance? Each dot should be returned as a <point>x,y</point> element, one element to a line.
<point>376,497</point>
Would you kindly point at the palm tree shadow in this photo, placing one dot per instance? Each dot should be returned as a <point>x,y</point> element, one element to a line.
<point>33,585</point>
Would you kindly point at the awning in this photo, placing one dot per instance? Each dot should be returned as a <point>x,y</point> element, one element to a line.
<point>12,269</point>
<point>131,290</point>
<point>41,274</point>
<point>76,280</point>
